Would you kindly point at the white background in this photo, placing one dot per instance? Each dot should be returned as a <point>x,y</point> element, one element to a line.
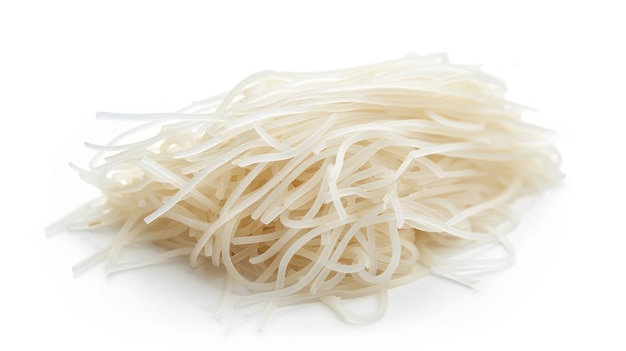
<point>61,61</point>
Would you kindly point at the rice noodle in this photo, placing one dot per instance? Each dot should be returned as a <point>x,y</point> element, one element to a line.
<point>327,185</point>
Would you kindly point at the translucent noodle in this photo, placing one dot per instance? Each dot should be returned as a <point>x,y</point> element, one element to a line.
<point>327,185</point>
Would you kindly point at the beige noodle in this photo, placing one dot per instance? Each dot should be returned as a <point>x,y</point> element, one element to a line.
<point>327,185</point>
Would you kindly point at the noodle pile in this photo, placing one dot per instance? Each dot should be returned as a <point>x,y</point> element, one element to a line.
<point>327,185</point>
